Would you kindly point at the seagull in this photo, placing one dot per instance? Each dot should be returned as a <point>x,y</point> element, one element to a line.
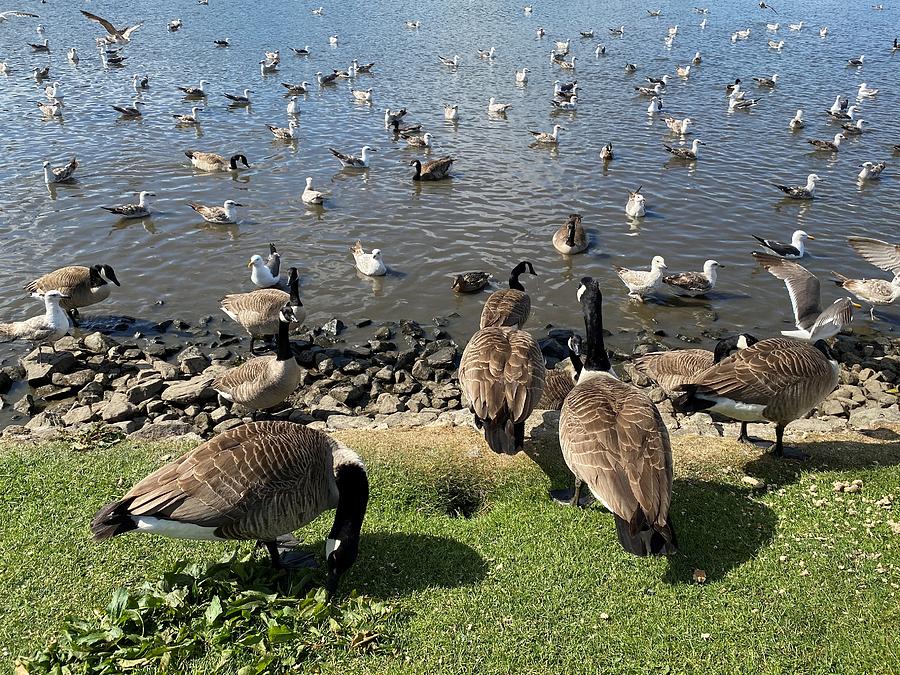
<point>528,9</point>
<point>740,35</point>
<point>40,73</point>
<point>273,57</point>
<point>839,104</point>
<point>311,196</point>
<point>133,111</point>
<point>545,138</point>
<point>296,89</point>
<point>265,274</point>
<point>174,25</point>
<point>522,76</point>
<point>63,174</point>
<point>238,99</point>
<point>193,118</point>
<point>326,79</point>
<point>865,91</point>
<point>567,65</point>
<point>412,25</point>
<point>617,32</point>
<point>662,81</point>
<point>4,16</point>
<point>52,109</point>
<point>599,50</point>
<point>139,83</point>
<point>695,283</point>
<point>220,215</point>
<point>42,47</point>
<point>685,153</point>
<point>856,62</point>
<point>853,129</point>
<point>358,67</point>
<point>871,291</point>
<point>844,116</point>
<point>797,121</point>
<point>678,126</point>
<point>354,161</point>
<point>654,12</point>
<point>587,33</point>
<point>871,171</point>
<point>540,32</point>
<point>486,53</point>
<point>896,45</point>
<point>630,67</point>
<point>733,87</point>
<point>369,264</point>
<point>655,90</point>
<point>684,71</point>
<point>697,60</point>
<point>285,134</point>
<point>800,192</point>
<point>495,108</point>
<point>763,5</point>
<point>803,287</point>
<point>571,104</point>
<point>642,283</point>
<point>138,210</point>
<point>796,26</point>
<point>735,103</point>
<point>703,24</point>
<point>413,141</point>
<point>773,26</point>
<point>195,92</point>
<point>393,117</point>
<point>72,55</point>
<point>304,51</point>
<point>562,48</point>
<point>635,207</point>
<point>4,69</point>
<point>363,95</point>
<point>452,63</point>
<point>606,152</point>
<point>267,67</point>
<point>793,251</point>
<point>52,92</point>
<point>451,113</point>
<point>293,107</point>
<point>318,11</point>
<point>333,40</point>
<point>222,43</point>
<point>776,45</point>
<point>117,35</point>
<point>827,146</point>
<point>766,81</point>
<point>823,31</point>
<point>879,253</point>
<point>655,105</point>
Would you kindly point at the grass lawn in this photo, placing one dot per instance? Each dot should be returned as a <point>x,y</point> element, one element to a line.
<point>487,575</point>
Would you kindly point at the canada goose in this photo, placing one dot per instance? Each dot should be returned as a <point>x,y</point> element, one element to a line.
<point>370,264</point>
<point>827,146</point>
<point>512,306</point>
<point>354,161</point>
<point>195,92</point>
<point>266,274</point>
<point>288,133</point>
<point>264,381</point>
<point>695,283</point>
<point>803,287</point>
<point>192,119</point>
<point>606,152</point>
<point>451,113</point>
<point>501,373</point>
<point>689,154</point>
<point>678,126</point>
<point>423,141</point>
<point>63,174</point>
<point>258,311</point>
<point>641,283</point>
<point>853,129</point>
<point>558,382</point>
<point>50,326</point>
<point>239,99</point>
<point>769,82</point>
<point>870,170</point>
<point>495,108</point>
<point>801,191</point>
<point>311,196</point>
<point>436,169</point>
<point>296,89</point>
<point>614,441</point>
<point>80,286</point>
<point>220,215</point>
<point>131,112</point>
<point>139,210</point>
<point>871,291</point>
<point>635,207</point>
<point>797,121</point>
<point>793,251</point>
<point>115,34</point>
<point>210,161</point>
<point>776,380</point>
<point>571,238</point>
<point>547,138</point>
<point>470,282</point>
<point>257,481</point>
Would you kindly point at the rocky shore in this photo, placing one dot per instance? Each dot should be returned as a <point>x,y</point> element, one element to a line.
<point>151,387</point>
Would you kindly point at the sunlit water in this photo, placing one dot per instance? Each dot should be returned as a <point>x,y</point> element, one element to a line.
<point>505,199</point>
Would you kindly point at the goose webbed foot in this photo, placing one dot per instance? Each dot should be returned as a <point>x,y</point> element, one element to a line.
<point>572,497</point>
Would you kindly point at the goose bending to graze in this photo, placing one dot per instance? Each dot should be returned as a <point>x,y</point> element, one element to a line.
<point>495,108</point>
<point>571,238</point>
<point>804,290</point>
<point>195,92</point>
<point>775,380</point>
<point>436,169</point>
<point>512,306</point>
<point>636,205</point>
<point>470,282</point>
<point>354,161</point>
<point>210,161</point>
<point>261,481</point>
<point>695,283</point>
<point>219,215</point>
<point>879,253</point>
<point>265,274</point>
<point>873,292</point>
<point>239,99</point>
<point>192,119</point>
<point>614,441</point>
<point>258,311</point>
<point>801,191</point>
<point>558,382</point>
<point>139,210</point>
<point>870,170</point>
<point>827,146</point>
<point>133,111</point>
<point>61,175</point>
<point>501,373</point>
<point>310,195</point>
<point>547,138</point>
<point>80,286</point>
<point>685,153</point>
<point>288,133</point>
<point>115,34</point>
<point>793,251</point>
<point>50,326</point>
<point>370,264</point>
<point>642,283</point>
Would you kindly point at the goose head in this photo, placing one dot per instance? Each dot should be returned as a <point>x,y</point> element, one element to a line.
<point>108,273</point>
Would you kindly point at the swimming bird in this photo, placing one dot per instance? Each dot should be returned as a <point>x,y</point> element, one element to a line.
<point>654,12</point>
<point>258,311</point>
<point>296,89</point>
<point>219,215</point>
<point>565,105</point>
<point>301,51</point>
<point>139,210</point>
<point>685,153</point>
<point>740,35</point>
<point>72,55</point>
<point>139,83</point>
<point>210,161</point>
<point>775,380</point>
<point>311,196</point>
<point>522,76</point>
<point>642,283</point>
<point>540,32</point>
<point>193,118</point>
<point>53,324</point>
<point>115,34</point>
<point>495,108</point>
<point>370,264</point>
<point>195,92</point>
<point>511,306</point>
<point>325,80</point>
<point>635,207</point>
<point>772,27</point>
<point>545,138</point>
<point>288,133</point>
<point>766,81</point>
<point>353,161</point>
<point>174,25</point>
<point>649,91</point>
<point>877,252</point>
<point>267,67</point>
<point>874,292</point>
<point>614,442</point>
<point>865,92</point>
<point>678,126</point>
<point>393,117</point>
<point>451,113</point>
<point>52,92</point>
<point>796,26</point>
<point>735,103</point>
<point>43,47</point>
<point>571,238</point>
<point>363,95</point>
<point>415,141</point>
<point>799,192</point>
<point>655,106</point>
<point>486,53</point>
<point>702,24</point>
<point>870,170</point>
<point>763,5</point>
<point>293,106</point>
<point>52,109</point>
<point>333,40</point>
<point>777,45</point>
<point>617,32</point>
<point>4,68</point>
<point>856,62</point>
<point>39,74</point>
<point>599,50</point>
<point>853,129</point>
<point>804,290</point>
<point>412,24</point>
<point>827,146</point>
<point>239,99</point>
<point>823,31</point>
<point>695,283</point>
<point>562,47</point>
<point>223,42</point>
<point>318,11</point>
<point>436,169</point>
<point>567,65</point>
<point>606,152</point>
<point>630,68</point>
<point>452,63</point>
<point>357,67</point>
<point>797,248</point>
<point>844,115</point>
<point>697,60</point>
<point>683,71</point>
<point>80,286</point>
<point>896,46</point>
<point>797,121</point>
<point>5,16</point>
<point>470,282</point>
<point>528,9</point>
<point>63,174</point>
<point>839,104</point>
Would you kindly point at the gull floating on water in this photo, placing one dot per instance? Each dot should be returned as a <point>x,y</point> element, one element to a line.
<point>606,153</point>
<point>617,32</point>
<point>486,53</point>
<point>655,90</point>
<point>776,45</point>
<point>223,42</point>
<point>132,111</point>
<point>267,67</point>
<point>642,283</point>
<point>393,117</point>
<point>735,103</point>
<point>40,74</point>
<point>495,108</point>
<point>630,67</point>
<point>452,63</point>
<point>797,248</point>
<point>139,83</point>
<point>683,71</point>
<point>52,109</point>
<point>856,62</point>
<point>686,153</point>
<point>853,129</point>
<point>358,67</point>
<point>522,76</point>
<point>773,26</point>
<point>412,24</point>
<point>797,121</point>
<point>528,9</point>
<point>326,79</point>
<point>301,51</point>
<point>636,205</point>
<point>678,126</point>
<point>293,106</point>
<point>52,92</point>
<point>239,99</point>
<point>799,192</point>
<point>296,89</point>
<point>451,113</point>
<point>870,170</point>
<point>796,26</point>
<point>551,138</point>
<point>195,92</point>
<point>363,95</point>
<point>845,116</point>
<point>353,161</point>
<point>540,32</point>
<point>599,50</point>
<point>370,264</point>
<point>288,133</point>
<point>655,106</point>
<point>193,118</point>
<point>823,31</point>
<point>318,11</point>
<point>654,12</point>
<point>766,81</point>
<point>703,24</point>
<point>61,175</point>
<point>115,34</point>
<point>219,215</point>
<point>695,283</point>
<point>865,91</point>
<point>587,33</point>
<point>333,40</point>
<point>571,104</point>
<point>740,35</point>
<point>174,25</point>
<point>72,55</point>
<point>416,141</point>
<point>311,196</point>
<point>827,146</point>
<point>43,47</point>
<point>139,210</point>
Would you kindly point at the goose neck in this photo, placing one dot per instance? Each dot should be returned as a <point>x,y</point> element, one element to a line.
<point>283,344</point>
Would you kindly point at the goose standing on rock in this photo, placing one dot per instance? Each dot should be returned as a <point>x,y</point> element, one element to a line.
<point>614,441</point>
<point>512,306</point>
<point>695,283</point>
<point>803,192</point>
<point>266,274</point>
<point>139,210</point>
<point>258,311</point>
<point>571,238</point>
<point>260,481</point>
<point>436,169</point>
<point>210,161</point>
<point>80,286</point>
<point>370,264</point>
<point>63,174</point>
<point>642,283</point>
<point>50,326</point>
<point>793,251</point>
<point>218,215</point>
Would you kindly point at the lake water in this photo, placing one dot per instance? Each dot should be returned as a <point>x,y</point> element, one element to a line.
<point>505,199</point>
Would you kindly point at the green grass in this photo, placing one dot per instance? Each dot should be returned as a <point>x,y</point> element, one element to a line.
<point>488,576</point>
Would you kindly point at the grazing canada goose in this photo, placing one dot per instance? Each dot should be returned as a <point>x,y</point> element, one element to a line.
<point>545,138</point>
<point>636,205</point>
<point>606,152</point>
<point>495,108</point>
<point>258,311</point>
<point>451,113</point>
<point>139,210</point>
<point>48,327</point>
<point>870,170</point>
<point>871,291</point>
<point>501,373</point>
<point>222,42</point>
<point>452,63</point>
<point>265,274</point>
<point>879,253</point>
<point>558,382</point>
<point>656,105</point>
<point>436,169</point>
<point>797,121</point>
<point>793,251</point>
<point>192,119</point>
<point>288,133</point>
<point>115,34</point>
<point>210,161</point>
<point>80,286</point>
<point>239,99</point>
<point>509,307</point>
<point>685,153</point>
<point>695,283</point>
<point>219,215</point>
<point>261,481</point>
<point>571,238</point>
<point>766,81</point>
<point>470,282</point>
<point>130,112</point>
<point>370,264</point>
<point>353,161</point>
<point>800,191</point>
<point>642,283</point>
<point>195,92</point>
<point>776,380</point>
<point>827,146</point>
<point>52,109</point>
<point>296,89</point>
<point>363,95</point>
<point>853,129</point>
<point>311,196</point>
<point>423,141</point>
<point>614,441</point>
<point>678,126</point>
<point>64,173</point>
<point>804,290</point>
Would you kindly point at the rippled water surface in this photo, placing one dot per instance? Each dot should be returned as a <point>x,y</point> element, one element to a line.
<point>505,199</point>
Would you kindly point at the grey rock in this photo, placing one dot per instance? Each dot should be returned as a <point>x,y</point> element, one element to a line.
<point>38,372</point>
<point>832,407</point>
<point>189,391</point>
<point>144,391</point>
<point>340,422</point>
<point>409,419</point>
<point>98,343</point>
<point>156,431</point>
<point>26,405</point>
<point>82,414</point>
<point>78,378</point>
<point>388,404</point>
<point>333,327</point>
<point>868,418</point>
<point>227,424</point>
<point>347,394</point>
<point>443,358</point>
<point>118,409</point>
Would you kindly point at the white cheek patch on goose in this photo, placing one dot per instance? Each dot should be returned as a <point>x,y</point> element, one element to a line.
<point>331,545</point>
<point>580,292</point>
